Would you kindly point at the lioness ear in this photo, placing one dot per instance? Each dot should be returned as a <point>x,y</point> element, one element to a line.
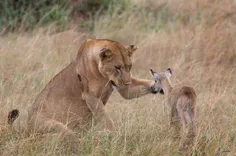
<point>168,72</point>
<point>105,53</point>
<point>131,49</point>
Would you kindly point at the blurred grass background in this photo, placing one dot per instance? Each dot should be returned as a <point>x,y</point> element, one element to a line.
<point>197,39</point>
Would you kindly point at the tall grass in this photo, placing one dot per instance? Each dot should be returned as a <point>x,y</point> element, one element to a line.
<point>23,15</point>
<point>26,15</point>
<point>195,38</point>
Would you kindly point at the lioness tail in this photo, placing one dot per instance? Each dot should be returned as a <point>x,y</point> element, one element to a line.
<point>12,115</point>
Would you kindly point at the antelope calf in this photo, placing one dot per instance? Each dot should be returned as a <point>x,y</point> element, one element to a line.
<point>181,103</point>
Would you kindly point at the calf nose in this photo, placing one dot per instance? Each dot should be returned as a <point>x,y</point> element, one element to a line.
<point>154,89</point>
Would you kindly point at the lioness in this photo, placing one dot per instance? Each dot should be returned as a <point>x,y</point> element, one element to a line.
<point>100,66</point>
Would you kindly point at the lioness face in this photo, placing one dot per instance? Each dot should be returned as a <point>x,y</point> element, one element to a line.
<point>116,64</point>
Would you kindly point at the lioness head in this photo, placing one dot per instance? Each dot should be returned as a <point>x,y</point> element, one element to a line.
<point>115,63</point>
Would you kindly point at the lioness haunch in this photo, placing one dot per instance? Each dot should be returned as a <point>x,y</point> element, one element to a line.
<point>181,103</point>
<point>105,64</point>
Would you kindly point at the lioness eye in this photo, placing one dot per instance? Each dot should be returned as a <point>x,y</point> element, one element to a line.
<point>129,67</point>
<point>118,67</point>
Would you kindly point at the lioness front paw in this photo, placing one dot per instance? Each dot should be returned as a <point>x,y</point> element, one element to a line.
<point>109,125</point>
<point>106,123</point>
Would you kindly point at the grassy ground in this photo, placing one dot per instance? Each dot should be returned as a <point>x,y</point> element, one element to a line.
<point>197,39</point>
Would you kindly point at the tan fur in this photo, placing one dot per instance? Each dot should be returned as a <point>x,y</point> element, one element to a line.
<point>81,90</point>
<point>181,103</point>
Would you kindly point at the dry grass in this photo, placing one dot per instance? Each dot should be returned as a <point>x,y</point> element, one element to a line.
<point>202,54</point>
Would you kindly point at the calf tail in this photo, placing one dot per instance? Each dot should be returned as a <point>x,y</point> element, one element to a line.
<point>12,115</point>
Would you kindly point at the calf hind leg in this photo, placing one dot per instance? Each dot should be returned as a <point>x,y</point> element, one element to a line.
<point>175,123</point>
<point>187,129</point>
<point>191,127</point>
<point>184,129</point>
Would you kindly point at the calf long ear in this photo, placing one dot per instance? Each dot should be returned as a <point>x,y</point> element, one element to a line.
<point>131,49</point>
<point>105,54</point>
<point>168,72</point>
<point>152,72</point>
<point>156,75</point>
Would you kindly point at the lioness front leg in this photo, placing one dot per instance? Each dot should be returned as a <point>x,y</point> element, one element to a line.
<point>98,110</point>
<point>137,88</point>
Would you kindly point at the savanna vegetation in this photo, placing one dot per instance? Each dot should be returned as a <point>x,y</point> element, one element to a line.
<point>196,38</point>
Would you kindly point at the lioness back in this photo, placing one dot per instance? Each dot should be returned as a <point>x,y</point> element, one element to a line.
<point>61,100</point>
